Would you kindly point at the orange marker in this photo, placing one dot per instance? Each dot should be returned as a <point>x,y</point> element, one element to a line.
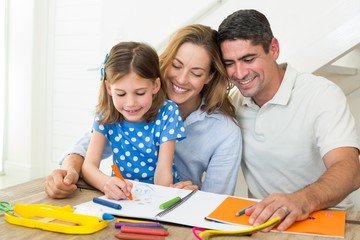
<point>118,174</point>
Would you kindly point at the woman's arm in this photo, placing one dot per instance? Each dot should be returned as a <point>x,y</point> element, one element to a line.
<point>223,167</point>
<point>90,168</point>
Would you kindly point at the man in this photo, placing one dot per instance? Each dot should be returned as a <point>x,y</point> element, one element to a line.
<point>301,151</point>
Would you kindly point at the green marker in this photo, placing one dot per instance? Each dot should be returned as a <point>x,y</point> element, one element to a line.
<point>169,203</point>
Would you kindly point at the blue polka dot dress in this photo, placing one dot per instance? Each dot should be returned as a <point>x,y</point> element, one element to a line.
<point>135,146</point>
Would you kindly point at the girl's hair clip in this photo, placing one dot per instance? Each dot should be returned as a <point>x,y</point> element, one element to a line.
<point>102,67</point>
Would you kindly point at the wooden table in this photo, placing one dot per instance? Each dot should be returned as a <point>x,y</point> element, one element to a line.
<point>32,192</point>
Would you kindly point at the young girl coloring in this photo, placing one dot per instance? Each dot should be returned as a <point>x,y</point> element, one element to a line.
<point>135,116</point>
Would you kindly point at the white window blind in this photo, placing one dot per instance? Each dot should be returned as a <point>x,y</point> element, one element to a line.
<point>3,56</point>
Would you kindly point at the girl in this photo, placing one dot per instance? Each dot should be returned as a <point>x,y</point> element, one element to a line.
<point>134,116</point>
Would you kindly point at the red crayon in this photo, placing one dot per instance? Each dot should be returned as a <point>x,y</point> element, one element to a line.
<point>150,231</point>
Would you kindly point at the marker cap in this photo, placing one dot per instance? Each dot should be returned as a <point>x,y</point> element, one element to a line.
<point>107,216</point>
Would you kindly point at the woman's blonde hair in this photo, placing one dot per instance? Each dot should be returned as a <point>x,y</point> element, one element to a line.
<point>215,93</point>
<point>125,58</point>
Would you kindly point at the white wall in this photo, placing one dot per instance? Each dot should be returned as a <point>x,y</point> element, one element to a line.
<point>74,87</point>
<point>350,84</point>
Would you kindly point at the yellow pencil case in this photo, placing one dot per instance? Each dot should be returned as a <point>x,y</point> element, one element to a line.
<point>54,218</point>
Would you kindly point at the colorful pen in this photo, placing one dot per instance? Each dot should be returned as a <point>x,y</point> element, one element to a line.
<point>106,203</point>
<point>133,236</point>
<point>242,211</point>
<point>118,174</point>
<point>169,203</point>
<point>141,230</point>
<point>120,224</point>
<point>93,211</point>
<point>118,219</point>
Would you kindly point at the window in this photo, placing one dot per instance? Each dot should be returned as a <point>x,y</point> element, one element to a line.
<point>3,55</point>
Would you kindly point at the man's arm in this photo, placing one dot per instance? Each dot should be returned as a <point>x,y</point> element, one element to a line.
<point>340,179</point>
<point>61,182</point>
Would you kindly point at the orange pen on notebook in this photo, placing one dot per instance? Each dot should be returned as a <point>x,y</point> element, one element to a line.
<point>118,174</point>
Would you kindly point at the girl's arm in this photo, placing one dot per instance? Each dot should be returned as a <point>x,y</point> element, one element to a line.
<point>163,172</point>
<point>90,168</point>
<point>110,186</point>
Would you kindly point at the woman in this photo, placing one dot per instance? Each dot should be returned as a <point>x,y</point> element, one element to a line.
<point>210,155</point>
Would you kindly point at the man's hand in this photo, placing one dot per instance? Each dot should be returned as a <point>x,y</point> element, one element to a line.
<point>338,181</point>
<point>289,207</point>
<point>61,183</point>
<point>185,185</point>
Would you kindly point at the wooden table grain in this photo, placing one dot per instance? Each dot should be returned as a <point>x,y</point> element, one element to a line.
<point>33,192</point>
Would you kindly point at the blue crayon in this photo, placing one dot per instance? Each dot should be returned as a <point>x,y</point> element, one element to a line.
<point>107,203</point>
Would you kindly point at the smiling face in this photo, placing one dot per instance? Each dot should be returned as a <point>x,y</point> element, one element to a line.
<point>187,75</point>
<point>252,70</point>
<point>132,96</point>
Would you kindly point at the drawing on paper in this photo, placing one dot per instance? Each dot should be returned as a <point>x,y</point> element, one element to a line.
<point>143,193</point>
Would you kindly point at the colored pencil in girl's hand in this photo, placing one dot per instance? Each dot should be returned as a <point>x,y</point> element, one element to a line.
<point>118,174</point>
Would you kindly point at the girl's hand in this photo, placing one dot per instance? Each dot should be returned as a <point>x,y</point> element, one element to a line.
<point>117,189</point>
